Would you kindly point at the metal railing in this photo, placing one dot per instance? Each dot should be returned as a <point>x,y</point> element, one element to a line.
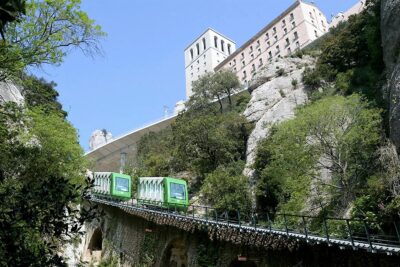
<point>355,233</point>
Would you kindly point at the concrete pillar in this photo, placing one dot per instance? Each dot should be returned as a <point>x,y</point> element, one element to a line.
<point>122,162</point>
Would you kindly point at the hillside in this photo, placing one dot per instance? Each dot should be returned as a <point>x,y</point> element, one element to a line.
<point>316,134</point>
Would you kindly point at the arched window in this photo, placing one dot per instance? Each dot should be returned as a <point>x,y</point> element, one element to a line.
<point>191,54</point>
<point>229,49</point>
<point>198,49</point>
<point>222,45</point>
<point>204,43</point>
<point>216,41</point>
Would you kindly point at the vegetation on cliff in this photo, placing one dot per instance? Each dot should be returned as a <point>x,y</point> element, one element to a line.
<point>333,158</point>
<point>42,167</point>
<point>205,144</point>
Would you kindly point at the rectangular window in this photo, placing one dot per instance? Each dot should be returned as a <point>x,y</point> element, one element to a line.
<point>274,30</point>
<point>177,191</point>
<point>296,35</point>
<point>121,184</point>
<point>267,36</point>
<point>291,16</point>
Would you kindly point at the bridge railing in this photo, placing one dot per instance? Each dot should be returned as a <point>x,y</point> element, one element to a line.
<point>328,229</point>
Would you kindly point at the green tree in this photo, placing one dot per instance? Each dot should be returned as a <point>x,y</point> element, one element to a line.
<point>10,10</point>
<point>227,189</point>
<point>206,141</point>
<point>214,86</point>
<point>40,93</point>
<point>48,31</point>
<point>351,56</point>
<point>41,185</point>
<point>336,134</point>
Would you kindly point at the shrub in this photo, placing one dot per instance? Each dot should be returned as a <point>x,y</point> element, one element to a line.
<point>227,189</point>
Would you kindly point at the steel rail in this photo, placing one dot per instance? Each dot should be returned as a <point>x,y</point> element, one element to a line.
<point>369,244</point>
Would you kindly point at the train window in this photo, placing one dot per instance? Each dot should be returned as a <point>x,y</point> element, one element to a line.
<point>177,191</point>
<point>122,184</point>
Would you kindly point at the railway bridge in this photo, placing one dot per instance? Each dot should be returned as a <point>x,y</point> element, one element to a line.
<point>137,235</point>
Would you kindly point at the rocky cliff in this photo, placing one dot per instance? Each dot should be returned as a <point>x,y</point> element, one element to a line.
<point>276,92</point>
<point>10,92</point>
<point>390,27</point>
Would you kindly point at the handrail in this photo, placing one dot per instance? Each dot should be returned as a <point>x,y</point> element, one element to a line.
<point>355,233</point>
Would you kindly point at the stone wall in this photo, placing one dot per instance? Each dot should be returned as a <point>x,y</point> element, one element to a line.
<point>131,240</point>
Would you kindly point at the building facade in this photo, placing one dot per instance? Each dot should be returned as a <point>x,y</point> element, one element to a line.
<point>295,28</point>
<point>204,54</point>
<point>343,16</point>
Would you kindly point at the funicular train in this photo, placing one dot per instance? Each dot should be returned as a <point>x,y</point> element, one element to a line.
<point>163,192</point>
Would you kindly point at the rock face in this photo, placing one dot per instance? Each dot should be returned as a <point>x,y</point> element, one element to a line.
<point>277,92</point>
<point>390,27</point>
<point>10,92</point>
<point>99,138</point>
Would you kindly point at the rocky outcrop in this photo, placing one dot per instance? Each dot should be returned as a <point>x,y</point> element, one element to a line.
<point>276,92</point>
<point>10,92</point>
<point>390,27</point>
<point>99,138</point>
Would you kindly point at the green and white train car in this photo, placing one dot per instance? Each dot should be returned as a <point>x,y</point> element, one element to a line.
<point>112,184</point>
<point>163,191</point>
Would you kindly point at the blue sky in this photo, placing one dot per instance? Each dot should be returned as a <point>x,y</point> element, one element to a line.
<point>142,69</point>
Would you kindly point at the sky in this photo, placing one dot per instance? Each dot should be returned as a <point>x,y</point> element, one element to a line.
<point>141,68</point>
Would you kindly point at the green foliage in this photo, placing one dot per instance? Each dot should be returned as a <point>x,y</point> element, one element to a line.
<point>156,154</point>
<point>109,262</point>
<point>214,86</point>
<point>46,34</point>
<point>10,10</point>
<point>206,141</point>
<point>335,133</point>
<point>227,188</point>
<point>41,184</point>
<point>351,56</point>
<point>207,253</point>
<point>148,249</point>
<point>40,93</point>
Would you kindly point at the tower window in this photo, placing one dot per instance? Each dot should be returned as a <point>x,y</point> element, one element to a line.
<point>216,41</point>
<point>229,49</point>
<point>191,54</point>
<point>204,43</point>
<point>198,49</point>
<point>222,45</point>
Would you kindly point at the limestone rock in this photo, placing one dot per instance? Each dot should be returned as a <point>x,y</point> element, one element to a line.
<point>10,92</point>
<point>390,27</point>
<point>99,138</point>
<point>274,101</point>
